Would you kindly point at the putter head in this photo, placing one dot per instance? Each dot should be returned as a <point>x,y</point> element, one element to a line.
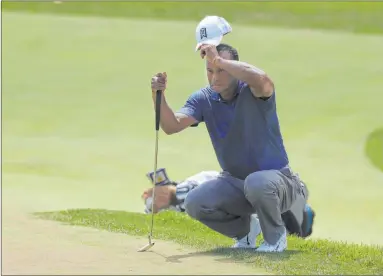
<point>146,247</point>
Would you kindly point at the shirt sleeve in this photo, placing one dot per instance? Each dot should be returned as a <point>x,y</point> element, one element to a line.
<point>194,106</point>
<point>266,103</point>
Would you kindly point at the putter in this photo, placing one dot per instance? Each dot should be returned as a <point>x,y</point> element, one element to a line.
<point>158,108</point>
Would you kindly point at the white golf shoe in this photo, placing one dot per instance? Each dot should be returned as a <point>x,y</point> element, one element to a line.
<point>249,241</point>
<point>279,246</point>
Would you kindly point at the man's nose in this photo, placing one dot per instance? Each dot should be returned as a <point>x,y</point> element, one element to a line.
<point>215,77</point>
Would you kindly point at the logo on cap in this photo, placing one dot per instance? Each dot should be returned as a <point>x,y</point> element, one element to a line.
<point>203,33</point>
<point>161,177</point>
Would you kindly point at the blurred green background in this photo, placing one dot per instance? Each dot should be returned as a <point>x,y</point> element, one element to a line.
<point>362,16</point>
<point>78,120</point>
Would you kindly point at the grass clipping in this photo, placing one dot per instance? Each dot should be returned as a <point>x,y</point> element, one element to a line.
<point>302,257</point>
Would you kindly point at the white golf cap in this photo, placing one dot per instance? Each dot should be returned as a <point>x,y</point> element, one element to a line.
<point>211,30</point>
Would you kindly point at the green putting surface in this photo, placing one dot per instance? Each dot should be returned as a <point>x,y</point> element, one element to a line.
<point>78,119</point>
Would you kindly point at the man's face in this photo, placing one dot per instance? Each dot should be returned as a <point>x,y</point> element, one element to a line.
<point>219,79</point>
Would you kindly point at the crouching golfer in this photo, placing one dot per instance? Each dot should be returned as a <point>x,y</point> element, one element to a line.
<point>170,195</point>
<point>238,108</point>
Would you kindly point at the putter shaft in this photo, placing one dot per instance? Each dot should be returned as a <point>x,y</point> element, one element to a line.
<point>154,185</point>
<point>158,109</point>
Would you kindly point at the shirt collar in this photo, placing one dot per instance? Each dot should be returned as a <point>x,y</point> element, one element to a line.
<point>217,97</point>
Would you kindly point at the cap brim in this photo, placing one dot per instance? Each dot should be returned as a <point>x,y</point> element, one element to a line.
<point>214,41</point>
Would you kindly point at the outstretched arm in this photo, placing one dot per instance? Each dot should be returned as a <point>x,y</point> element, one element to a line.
<point>260,84</point>
<point>169,121</point>
<point>173,195</point>
<point>168,196</point>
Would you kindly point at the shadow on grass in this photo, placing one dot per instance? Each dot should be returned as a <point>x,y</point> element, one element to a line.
<point>320,256</point>
<point>229,255</point>
<point>374,148</point>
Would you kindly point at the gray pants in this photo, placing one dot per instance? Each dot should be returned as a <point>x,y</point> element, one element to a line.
<point>226,203</point>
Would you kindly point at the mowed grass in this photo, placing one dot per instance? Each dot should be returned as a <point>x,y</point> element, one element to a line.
<point>319,257</point>
<point>78,120</point>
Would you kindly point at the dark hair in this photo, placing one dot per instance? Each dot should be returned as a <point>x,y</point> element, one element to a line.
<point>226,47</point>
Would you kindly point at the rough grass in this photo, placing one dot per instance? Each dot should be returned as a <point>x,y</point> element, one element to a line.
<point>359,17</point>
<point>303,257</point>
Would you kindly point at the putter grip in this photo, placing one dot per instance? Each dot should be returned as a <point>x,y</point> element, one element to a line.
<point>158,108</point>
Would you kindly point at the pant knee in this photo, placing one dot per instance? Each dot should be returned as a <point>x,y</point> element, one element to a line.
<point>257,185</point>
<point>192,205</point>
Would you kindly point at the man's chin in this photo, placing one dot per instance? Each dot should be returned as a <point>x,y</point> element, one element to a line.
<point>216,88</point>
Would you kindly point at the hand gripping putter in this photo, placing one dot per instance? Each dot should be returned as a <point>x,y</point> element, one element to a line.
<point>158,109</point>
